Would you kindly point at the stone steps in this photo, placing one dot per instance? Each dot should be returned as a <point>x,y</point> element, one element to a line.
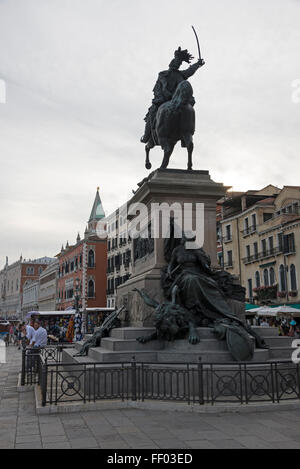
<point>207,356</point>
<point>120,345</point>
<point>280,353</point>
<point>134,332</point>
<point>101,354</point>
<point>130,332</point>
<point>279,341</point>
<point>266,331</point>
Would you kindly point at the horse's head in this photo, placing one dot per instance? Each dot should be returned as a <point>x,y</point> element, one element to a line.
<point>183,94</point>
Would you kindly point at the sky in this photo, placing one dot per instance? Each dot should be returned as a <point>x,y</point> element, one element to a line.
<point>79,76</point>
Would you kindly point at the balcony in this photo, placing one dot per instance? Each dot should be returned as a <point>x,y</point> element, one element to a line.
<point>228,265</point>
<point>263,255</point>
<point>248,231</point>
<point>227,239</point>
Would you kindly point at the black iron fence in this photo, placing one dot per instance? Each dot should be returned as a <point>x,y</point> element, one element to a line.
<point>34,358</point>
<point>201,383</point>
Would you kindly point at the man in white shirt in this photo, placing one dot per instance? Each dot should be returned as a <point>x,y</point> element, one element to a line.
<point>39,338</point>
<point>30,331</point>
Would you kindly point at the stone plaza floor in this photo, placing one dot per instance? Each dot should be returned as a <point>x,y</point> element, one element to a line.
<point>20,427</point>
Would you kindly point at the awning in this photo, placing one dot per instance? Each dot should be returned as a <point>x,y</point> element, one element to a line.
<point>50,313</point>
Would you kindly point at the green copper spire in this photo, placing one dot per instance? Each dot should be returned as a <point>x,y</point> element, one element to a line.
<point>97,212</point>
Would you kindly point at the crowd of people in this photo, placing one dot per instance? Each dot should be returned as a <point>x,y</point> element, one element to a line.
<point>32,334</point>
<point>21,334</point>
<point>287,327</point>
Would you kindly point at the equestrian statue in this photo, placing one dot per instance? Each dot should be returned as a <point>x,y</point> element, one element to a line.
<point>171,117</point>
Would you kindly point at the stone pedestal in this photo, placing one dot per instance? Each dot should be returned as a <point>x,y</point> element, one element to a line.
<point>166,186</point>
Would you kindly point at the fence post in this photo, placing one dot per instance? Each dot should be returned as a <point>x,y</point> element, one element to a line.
<point>44,383</point>
<point>23,369</point>
<point>200,381</point>
<point>133,379</point>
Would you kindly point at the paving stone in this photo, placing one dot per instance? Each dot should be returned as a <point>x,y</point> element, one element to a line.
<point>114,445</point>
<point>79,433</point>
<point>253,442</point>
<point>28,439</point>
<point>227,444</point>
<point>29,446</point>
<point>84,443</point>
<point>54,438</point>
<point>200,444</point>
<point>170,444</point>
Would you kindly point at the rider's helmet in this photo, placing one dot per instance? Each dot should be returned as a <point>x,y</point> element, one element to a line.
<point>179,57</point>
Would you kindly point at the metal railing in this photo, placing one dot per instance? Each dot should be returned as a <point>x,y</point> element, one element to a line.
<point>34,358</point>
<point>200,383</point>
<point>249,230</point>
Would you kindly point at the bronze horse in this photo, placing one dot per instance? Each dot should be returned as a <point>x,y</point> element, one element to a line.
<point>175,120</point>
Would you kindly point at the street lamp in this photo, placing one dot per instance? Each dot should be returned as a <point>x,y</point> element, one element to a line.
<point>78,318</point>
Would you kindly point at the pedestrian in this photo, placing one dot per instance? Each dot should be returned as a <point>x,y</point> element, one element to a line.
<point>20,334</point>
<point>29,331</point>
<point>6,339</point>
<point>38,341</point>
<point>39,337</point>
<point>11,334</point>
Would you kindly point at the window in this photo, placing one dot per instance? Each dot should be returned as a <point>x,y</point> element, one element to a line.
<point>271,244</point>
<point>91,258</point>
<point>229,258</point>
<point>293,278</point>
<point>267,216</point>
<point>282,278</point>
<point>255,247</point>
<point>272,276</point>
<point>264,247</point>
<point>253,218</point>
<point>228,232</point>
<point>266,277</point>
<point>248,253</point>
<point>257,279</point>
<point>250,290</point>
<point>289,243</point>
<point>246,224</point>
<point>91,289</point>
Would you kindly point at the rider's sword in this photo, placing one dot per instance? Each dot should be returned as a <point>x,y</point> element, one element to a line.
<point>200,58</point>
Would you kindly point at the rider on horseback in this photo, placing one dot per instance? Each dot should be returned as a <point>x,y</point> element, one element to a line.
<point>166,85</point>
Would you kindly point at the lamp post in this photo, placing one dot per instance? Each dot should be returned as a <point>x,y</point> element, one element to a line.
<point>78,318</point>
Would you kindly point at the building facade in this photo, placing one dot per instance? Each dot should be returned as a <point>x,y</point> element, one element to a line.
<point>47,287</point>
<point>261,243</point>
<point>12,280</point>
<point>30,301</point>
<point>84,263</point>
<point>119,255</point>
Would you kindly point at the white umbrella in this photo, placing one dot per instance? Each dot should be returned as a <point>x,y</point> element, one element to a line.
<point>264,311</point>
<point>287,309</point>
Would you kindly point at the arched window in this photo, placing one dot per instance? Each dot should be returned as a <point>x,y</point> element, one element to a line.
<point>282,278</point>
<point>257,279</point>
<point>266,277</point>
<point>91,289</point>
<point>91,258</point>
<point>272,276</point>
<point>293,278</point>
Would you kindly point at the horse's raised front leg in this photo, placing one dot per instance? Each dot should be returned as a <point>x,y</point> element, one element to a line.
<point>168,150</point>
<point>148,147</point>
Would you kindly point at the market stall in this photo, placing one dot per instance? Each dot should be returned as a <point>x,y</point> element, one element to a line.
<point>56,323</point>
<point>95,317</point>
